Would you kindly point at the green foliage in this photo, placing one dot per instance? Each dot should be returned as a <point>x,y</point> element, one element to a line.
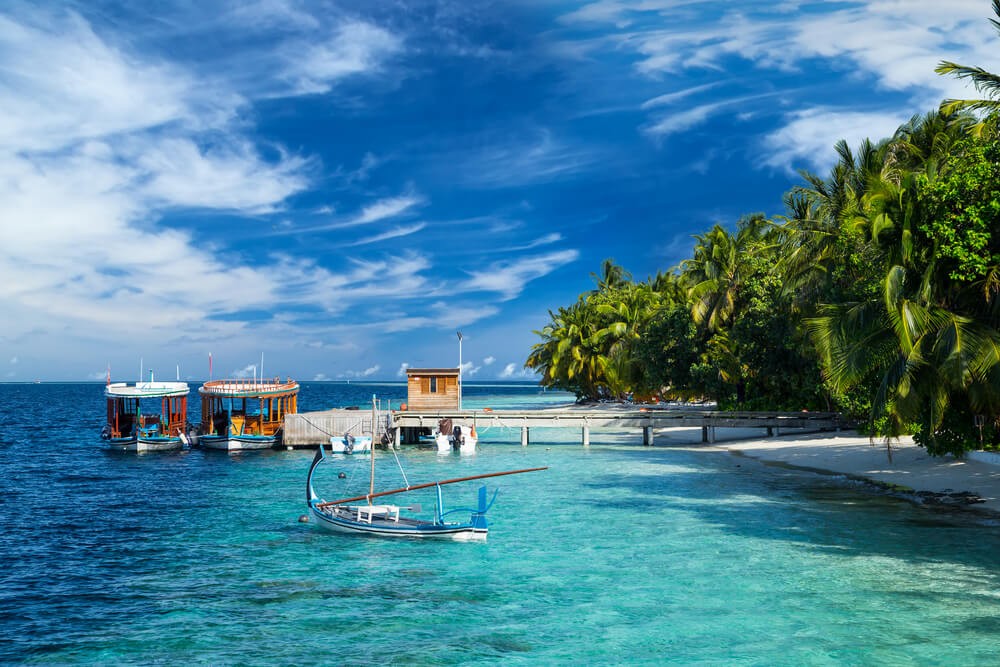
<point>876,294</point>
<point>962,210</point>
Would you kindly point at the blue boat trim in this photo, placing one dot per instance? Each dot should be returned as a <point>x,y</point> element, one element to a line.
<point>385,520</point>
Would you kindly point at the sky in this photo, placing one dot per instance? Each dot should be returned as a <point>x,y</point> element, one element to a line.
<point>338,188</point>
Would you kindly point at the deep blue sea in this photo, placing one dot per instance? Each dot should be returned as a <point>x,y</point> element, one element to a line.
<point>617,554</point>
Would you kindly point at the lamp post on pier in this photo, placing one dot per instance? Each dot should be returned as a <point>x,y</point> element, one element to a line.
<point>459,370</point>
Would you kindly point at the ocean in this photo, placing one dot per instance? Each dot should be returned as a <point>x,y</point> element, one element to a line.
<point>617,554</point>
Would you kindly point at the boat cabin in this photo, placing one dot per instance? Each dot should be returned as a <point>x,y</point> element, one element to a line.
<point>246,407</point>
<point>152,409</point>
<point>432,389</point>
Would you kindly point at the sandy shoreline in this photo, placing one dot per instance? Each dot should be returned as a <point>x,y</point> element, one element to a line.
<point>911,471</point>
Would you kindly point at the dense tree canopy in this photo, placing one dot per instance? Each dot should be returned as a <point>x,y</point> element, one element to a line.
<point>875,293</point>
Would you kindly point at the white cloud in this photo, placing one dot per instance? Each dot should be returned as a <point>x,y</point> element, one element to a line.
<point>488,361</point>
<point>386,208</point>
<point>247,371</point>
<point>395,232</point>
<point>536,158</point>
<point>353,48</point>
<point>178,172</point>
<point>401,373</point>
<point>320,377</point>
<point>509,278</point>
<point>508,371</point>
<point>61,83</point>
<point>808,138</point>
<point>368,372</point>
<point>882,46</point>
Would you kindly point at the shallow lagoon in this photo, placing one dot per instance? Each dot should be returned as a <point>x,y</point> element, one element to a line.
<point>617,554</point>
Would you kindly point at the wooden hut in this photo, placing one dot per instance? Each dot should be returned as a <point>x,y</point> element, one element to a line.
<point>432,389</point>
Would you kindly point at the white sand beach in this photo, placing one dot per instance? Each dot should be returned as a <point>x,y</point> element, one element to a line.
<point>852,454</point>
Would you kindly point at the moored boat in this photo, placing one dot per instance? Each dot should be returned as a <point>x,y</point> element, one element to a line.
<point>245,414</point>
<point>359,515</point>
<point>449,436</point>
<point>146,416</point>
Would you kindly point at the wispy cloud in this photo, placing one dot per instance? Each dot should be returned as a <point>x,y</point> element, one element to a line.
<point>509,278</point>
<point>530,160</point>
<point>352,48</point>
<point>886,50</point>
<point>807,139</point>
<point>385,208</point>
<point>396,232</point>
<point>401,373</point>
<point>368,372</point>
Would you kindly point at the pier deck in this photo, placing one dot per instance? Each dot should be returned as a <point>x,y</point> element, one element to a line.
<point>647,419</point>
<point>312,428</point>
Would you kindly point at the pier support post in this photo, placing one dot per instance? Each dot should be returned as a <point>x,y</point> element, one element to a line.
<point>777,430</point>
<point>711,435</point>
<point>398,436</point>
<point>704,434</point>
<point>586,436</point>
<point>524,436</point>
<point>770,431</point>
<point>647,435</point>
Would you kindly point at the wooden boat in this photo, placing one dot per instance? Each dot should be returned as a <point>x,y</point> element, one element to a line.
<point>146,416</point>
<point>245,414</point>
<point>359,515</point>
<point>449,436</point>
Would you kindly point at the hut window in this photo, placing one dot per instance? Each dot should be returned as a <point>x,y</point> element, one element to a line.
<point>434,385</point>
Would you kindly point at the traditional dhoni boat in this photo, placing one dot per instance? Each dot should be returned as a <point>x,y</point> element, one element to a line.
<point>245,414</point>
<point>360,515</point>
<point>146,416</point>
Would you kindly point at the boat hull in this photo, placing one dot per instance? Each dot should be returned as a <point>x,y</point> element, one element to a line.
<point>139,445</point>
<point>389,528</point>
<point>446,443</point>
<point>236,443</point>
<point>360,445</point>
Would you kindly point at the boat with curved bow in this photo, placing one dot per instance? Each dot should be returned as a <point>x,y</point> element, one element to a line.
<point>240,414</point>
<point>146,416</point>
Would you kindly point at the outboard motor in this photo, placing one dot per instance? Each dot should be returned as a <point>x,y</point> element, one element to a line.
<point>348,443</point>
<point>457,439</point>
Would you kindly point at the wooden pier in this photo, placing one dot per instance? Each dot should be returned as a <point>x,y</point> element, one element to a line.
<point>313,428</point>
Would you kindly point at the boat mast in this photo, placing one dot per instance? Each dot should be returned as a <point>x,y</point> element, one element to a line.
<point>371,477</point>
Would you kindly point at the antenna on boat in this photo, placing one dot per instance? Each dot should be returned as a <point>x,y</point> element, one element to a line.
<point>209,365</point>
<point>262,368</point>
<point>140,369</point>
<point>178,372</point>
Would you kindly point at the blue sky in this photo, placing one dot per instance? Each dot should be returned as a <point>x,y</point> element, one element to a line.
<point>341,186</point>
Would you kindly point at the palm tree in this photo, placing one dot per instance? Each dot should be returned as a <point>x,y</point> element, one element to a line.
<point>612,276</point>
<point>625,312</point>
<point>715,274</point>
<point>985,82</point>
<point>923,339</point>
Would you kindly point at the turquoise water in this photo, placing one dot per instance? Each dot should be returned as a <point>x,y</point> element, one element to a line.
<point>616,554</point>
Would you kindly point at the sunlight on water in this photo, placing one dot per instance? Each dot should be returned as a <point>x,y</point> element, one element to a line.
<point>617,554</point>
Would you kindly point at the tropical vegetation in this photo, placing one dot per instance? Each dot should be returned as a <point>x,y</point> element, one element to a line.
<point>876,292</point>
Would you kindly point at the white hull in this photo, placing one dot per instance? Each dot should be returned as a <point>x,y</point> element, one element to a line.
<point>459,533</point>
<point>139,445</point>
<point>232,444</point>
<point>446,443</point>
<point>361,445</point>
